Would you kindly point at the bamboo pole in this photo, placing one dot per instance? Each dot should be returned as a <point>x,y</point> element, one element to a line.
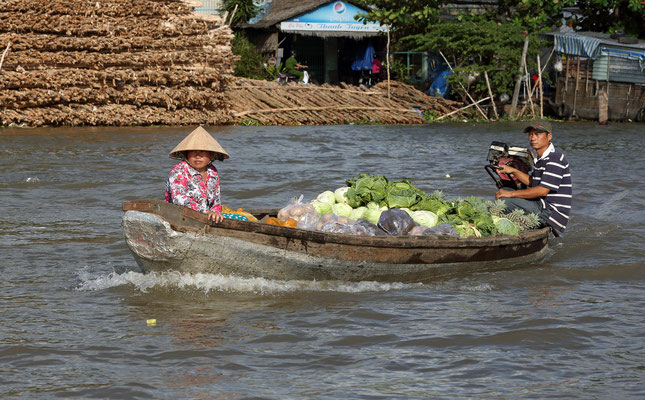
<point>530,88</point>
<point>541,87</point>
<point>566,76</point>
<point>516,91</point>
<point>387,50</point>
<point>232,15</point>
<point>490,93</point>
<point>464,89</point>
<point>461,109</point>
<point>4,54</point>
<point>575,92</point>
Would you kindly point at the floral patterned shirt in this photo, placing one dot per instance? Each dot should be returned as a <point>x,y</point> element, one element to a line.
<point>186,187</point>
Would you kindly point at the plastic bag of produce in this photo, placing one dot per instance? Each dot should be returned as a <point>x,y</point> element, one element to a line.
<point>295,209</point>
<point>370,228</point>
<point>347,229</point>
<point>441,230</point>
<point>396,222</point>
<point>418,230</point>
<point>309,221</point>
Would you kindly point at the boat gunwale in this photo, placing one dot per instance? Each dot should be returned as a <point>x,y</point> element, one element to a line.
<point>160,207</point>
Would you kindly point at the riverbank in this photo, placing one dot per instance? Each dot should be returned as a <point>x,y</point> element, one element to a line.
<point>151,62</point>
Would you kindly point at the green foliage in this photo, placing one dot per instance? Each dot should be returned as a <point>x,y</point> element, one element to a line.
<point>249,122</point>
<point>532,15</point>
<point>403,16</point>
<point>612,15</point>
<point>245,10</point>
<point>399,70</point>
<point>473,46</point>
<point>250,63</point>
<point>272,71</point>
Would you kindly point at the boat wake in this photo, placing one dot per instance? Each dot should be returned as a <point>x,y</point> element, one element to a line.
<point>225,283</point>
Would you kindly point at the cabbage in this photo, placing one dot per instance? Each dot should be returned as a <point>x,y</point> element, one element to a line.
<point>425,218</point>
<point>321,207</point>
<point>358,213</point>
<point>403,194</point>
<point>341,194</point>
<point>342,210</point>
<point>327,197</point>
<point>372,214</point>
<point>366,188</point>
<point>465,229</point>
<point>373,206</point>
<point>506,227</point>
<point>407,210</point>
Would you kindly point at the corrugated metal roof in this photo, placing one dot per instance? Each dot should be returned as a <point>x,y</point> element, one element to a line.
<point>594,44</point>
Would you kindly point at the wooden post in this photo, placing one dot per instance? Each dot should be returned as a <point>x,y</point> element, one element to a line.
<point>629,95</point>
<point>4,54</point>
<point>387,51</point>
<point>540,87</point>
<point>608,60</point>
<point>232,15</point>
<point>566,76</point>
<point>516,91</point>
<point>575,92</point>
<point>603,108</point>
<point>464,89</point>
<point>490,93</point>
<point>530,88</point>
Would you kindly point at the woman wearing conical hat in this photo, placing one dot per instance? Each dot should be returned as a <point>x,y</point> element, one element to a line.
<point>194,181</point>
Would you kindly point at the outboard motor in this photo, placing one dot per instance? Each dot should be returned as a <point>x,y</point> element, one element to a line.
<point>499,154</point>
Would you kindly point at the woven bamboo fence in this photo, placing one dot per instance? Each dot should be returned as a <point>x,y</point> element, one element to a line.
<point>271,103</point>
<point>112,62</point>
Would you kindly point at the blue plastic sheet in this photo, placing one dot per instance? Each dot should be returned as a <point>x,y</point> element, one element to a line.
<point>363,60</point>
<point>439,87</point>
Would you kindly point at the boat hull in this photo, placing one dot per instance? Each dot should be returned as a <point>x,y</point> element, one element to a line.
<point>164,237</point>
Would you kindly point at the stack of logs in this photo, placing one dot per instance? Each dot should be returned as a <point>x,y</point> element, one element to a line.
<point>271,103</point>
<point>112,62</point>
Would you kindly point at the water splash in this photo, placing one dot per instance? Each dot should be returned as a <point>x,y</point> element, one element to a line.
<point>226,283</point>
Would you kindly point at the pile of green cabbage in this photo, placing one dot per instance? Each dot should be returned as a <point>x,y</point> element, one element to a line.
<point>367,196</point>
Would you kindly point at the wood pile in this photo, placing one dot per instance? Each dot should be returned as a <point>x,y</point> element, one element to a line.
<point>112,62</point>
<point>271,103</point>
<point>409,96</point>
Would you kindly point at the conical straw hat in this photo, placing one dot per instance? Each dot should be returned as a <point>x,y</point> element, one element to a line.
<point>199,139</point>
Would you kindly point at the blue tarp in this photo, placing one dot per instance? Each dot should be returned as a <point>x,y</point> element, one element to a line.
<point>439,87</point>
<point>363,60</point>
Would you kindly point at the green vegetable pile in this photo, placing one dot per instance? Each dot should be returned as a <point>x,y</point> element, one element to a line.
<point>368,196</point>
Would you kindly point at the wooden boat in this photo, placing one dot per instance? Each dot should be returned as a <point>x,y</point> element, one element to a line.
<point>165,237</point>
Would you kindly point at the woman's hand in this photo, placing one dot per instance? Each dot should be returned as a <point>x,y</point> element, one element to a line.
<point>214,216</point>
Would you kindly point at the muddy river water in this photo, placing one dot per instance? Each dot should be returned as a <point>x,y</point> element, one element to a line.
<point>74,304</point>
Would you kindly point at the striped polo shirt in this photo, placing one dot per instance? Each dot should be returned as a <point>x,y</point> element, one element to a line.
<point>552,172</point>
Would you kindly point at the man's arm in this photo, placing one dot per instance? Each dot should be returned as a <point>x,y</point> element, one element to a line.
<point>530,193</point>
<point>521,176</point>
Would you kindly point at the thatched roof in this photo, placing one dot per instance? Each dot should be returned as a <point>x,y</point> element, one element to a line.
<point>285,9</point>
<point>282,10</point>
